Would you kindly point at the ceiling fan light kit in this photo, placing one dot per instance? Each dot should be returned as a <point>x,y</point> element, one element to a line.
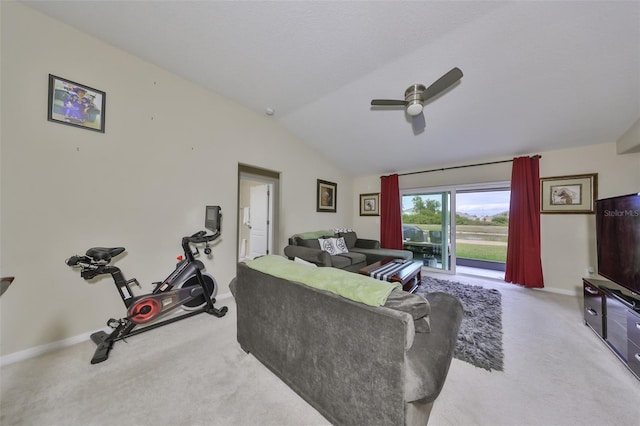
<point>414,108</point>
<point>413,99</point>
<point>416,95</point>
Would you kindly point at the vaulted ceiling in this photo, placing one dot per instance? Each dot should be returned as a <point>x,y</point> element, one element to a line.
<point>537,75</point>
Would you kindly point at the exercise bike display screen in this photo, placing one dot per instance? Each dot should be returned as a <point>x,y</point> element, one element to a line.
<point>212,218</point>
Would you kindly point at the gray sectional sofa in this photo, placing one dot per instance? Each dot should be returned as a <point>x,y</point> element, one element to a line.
<point>361,252</point>
<point>357,364</point>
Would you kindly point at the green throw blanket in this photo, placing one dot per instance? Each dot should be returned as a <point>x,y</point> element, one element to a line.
<point>314,235</point>
<point>359,288</point>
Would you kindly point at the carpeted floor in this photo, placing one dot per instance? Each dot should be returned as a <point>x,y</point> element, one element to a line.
<point>480,335</point>
<point>193,372</point>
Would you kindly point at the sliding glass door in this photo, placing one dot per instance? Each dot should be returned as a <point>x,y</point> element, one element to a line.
<point>427,227</point>
<point>463,225</point>
<point>482,223</point>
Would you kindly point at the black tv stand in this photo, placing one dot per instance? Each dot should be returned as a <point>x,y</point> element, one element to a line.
<point>630,301</point>
<point>614,315</point>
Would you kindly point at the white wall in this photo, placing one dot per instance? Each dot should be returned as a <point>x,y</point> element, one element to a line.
<point>170,148</point>
<point>568,240</point>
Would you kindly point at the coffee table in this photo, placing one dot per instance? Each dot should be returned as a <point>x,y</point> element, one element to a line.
<point>408,275</point>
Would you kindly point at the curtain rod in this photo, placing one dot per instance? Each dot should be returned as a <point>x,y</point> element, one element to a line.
<point>462,167</point>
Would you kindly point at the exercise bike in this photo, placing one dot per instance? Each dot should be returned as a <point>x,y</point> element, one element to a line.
<point>188,286</point>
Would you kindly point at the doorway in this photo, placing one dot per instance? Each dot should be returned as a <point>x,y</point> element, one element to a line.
<point>257,212</point>
<point>482,218</point>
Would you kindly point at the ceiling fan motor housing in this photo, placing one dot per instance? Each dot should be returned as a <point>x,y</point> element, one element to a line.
<point>413,99</point>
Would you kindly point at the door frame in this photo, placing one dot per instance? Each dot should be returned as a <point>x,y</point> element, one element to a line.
<point>248,173</point>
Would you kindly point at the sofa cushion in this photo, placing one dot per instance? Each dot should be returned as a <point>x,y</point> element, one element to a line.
<point>353,257</point>
<point>350,238</point>
<point>341,262</point>
<point>374,255</point>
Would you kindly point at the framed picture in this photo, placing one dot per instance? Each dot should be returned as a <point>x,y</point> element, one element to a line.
<point>370,204</point>
<point>569,194</point>
<point>327,193</point>
<point>75,104</point>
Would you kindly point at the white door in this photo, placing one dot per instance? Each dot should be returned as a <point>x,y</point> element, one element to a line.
<point>259,221</point>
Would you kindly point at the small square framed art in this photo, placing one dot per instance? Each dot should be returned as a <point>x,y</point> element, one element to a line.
<point>75,104</point>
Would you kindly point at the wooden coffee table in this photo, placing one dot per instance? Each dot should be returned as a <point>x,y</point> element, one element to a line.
<point>408,276</point>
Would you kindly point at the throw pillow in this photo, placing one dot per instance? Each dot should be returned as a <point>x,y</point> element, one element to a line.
<point>333,245</point>
<point>341,245</point>
<point>327,245</point>
<point>341,230</point>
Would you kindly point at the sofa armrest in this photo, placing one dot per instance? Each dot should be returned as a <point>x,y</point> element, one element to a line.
<point>430,356</point>
<point>367,244</point>
<point>319,257</point>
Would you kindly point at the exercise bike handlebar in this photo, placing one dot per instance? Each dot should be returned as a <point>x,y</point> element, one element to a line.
<point>201,237</point>
<point>197,238</point>
<point>99,256</point>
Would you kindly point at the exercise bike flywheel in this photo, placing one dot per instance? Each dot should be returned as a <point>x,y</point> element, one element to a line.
<point>199,302</point>
<point>144,310</point>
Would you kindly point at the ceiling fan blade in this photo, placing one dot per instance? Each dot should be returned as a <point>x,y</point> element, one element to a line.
<point>387,102</point>
<point>443,83</point>
<point>418,123</point>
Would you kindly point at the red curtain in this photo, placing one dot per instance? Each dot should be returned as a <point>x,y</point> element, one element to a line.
<point>524,265</point>
<point>390,219</point>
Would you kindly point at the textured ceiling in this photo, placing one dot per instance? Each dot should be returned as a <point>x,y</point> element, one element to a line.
<point>537,75</point>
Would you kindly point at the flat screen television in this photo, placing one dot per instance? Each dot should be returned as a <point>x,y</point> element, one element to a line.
<point>618,240</point>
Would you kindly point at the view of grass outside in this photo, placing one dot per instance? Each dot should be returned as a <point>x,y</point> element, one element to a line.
<point>482,242</point>
<point>481,230</point>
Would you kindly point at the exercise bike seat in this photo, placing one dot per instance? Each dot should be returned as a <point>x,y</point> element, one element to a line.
<point>104,254</point>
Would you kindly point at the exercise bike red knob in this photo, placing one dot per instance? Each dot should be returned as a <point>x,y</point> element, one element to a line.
<point>180,258</point>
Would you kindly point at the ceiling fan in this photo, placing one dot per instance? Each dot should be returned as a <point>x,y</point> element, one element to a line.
<point>416,95</point>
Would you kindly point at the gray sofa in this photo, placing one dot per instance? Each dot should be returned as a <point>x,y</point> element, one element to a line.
<point>356,364</point>
<point>361,252</point>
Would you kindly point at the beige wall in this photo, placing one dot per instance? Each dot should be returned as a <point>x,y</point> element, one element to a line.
<point>568,240</point>
<point>170,148</point>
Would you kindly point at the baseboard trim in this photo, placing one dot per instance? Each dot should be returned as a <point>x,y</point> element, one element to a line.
<point>49,347</point>
<point>223,296</point>
<point>559,291</point>
<point>43,349</point>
